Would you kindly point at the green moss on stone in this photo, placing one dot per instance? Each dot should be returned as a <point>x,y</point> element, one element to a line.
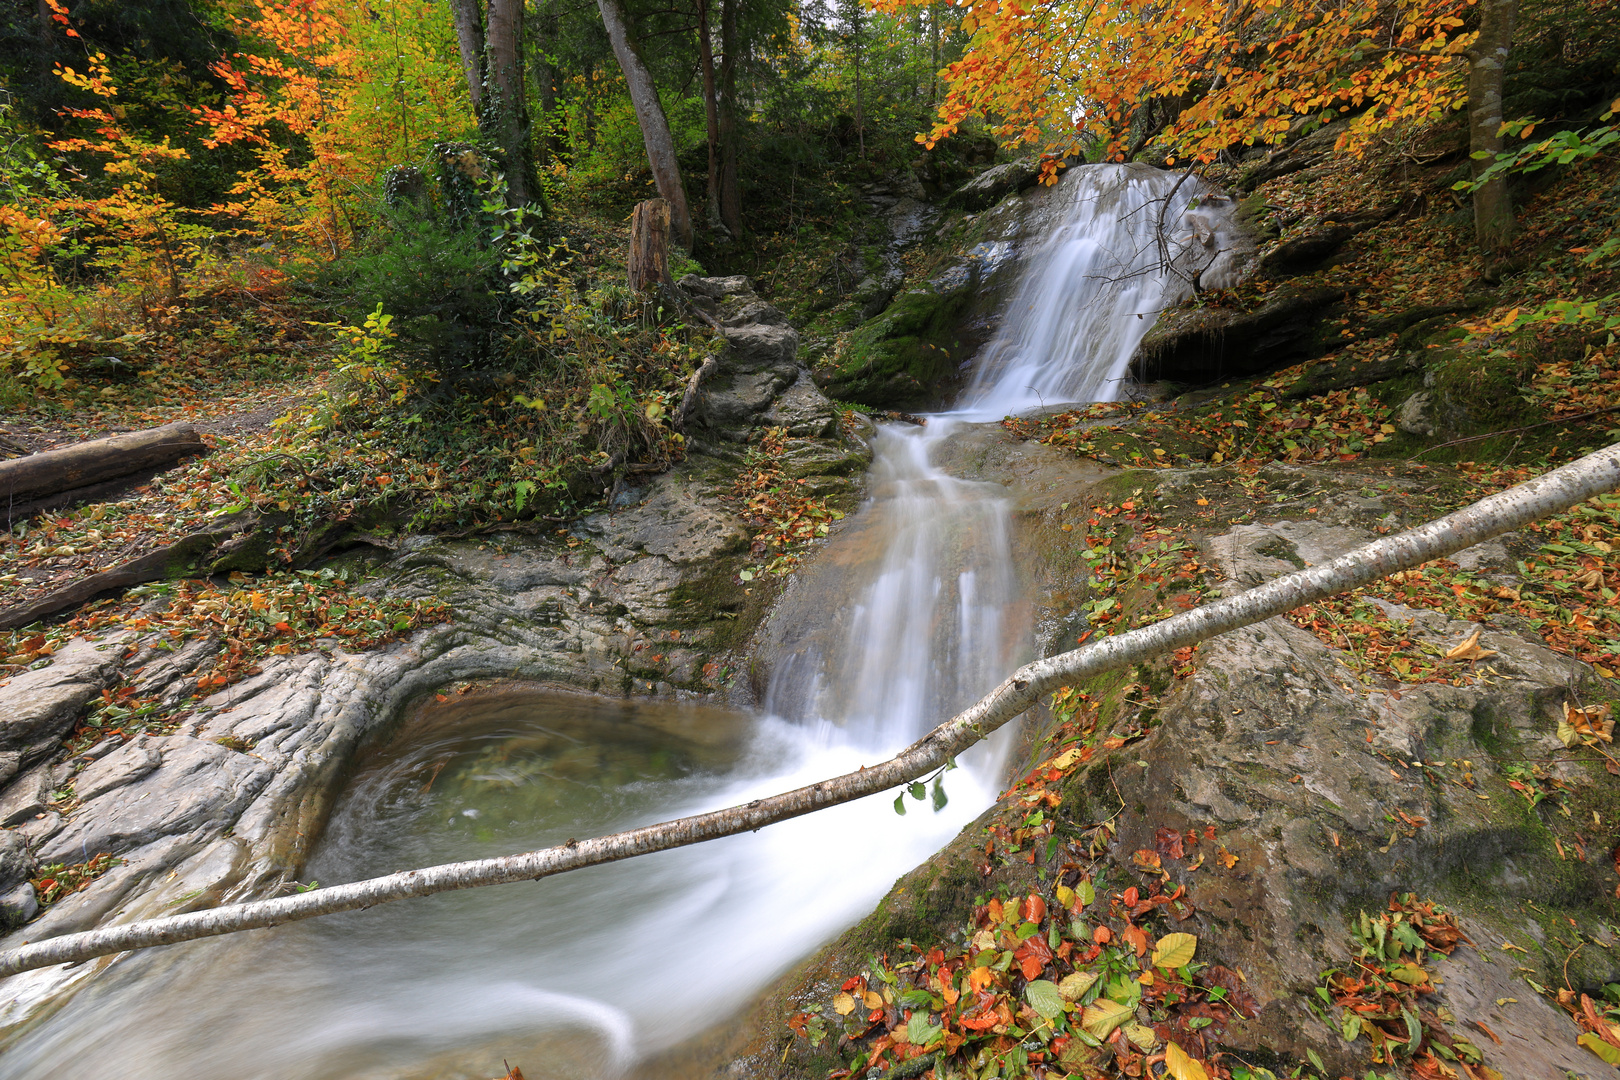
<point>905,358</point>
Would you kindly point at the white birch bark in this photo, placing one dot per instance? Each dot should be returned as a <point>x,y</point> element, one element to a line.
<point>1548,494</point>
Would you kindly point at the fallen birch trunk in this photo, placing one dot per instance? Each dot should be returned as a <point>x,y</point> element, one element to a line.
<point>87,463</point>
<point>1558,490</point>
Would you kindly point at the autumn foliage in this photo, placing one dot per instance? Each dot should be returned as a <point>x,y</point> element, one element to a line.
<point>1196,78</point>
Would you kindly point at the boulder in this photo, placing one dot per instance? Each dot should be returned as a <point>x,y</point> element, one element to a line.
<point>910,356</point>
<point>994,184</point>
<point>736,393</point>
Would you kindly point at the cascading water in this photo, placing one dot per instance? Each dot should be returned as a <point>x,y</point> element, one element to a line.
<point>1091,291</point>
<point>913,611</point>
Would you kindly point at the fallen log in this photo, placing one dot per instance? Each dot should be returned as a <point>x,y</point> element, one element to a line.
<point>169,561</point>
<point>1505,511</point>
<point>87,463</point>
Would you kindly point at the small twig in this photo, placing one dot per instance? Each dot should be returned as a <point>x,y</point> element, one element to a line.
<point>1517,430</point>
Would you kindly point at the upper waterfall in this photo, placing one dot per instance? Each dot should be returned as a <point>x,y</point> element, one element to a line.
<point>1131,243</point>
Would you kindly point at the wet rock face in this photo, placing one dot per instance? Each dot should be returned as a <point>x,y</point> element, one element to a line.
<point>994,184</point>
<point>1204,344</point>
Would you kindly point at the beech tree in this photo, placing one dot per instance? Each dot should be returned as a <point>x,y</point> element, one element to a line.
<point>492,56</point>
<point>650,116</point>
<point>1487,66</point>
<point>1066,74</point>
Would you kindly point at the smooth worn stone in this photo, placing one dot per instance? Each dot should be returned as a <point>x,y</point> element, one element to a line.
<point>17,905</point>
<point>28,795</point>
<point>15,863</point>
<point>675,521</point>
<point>198,783</point>
<point>42,704</point>
<point>123,766</point>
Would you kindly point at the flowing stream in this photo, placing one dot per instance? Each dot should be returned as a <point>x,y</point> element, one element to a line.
<point>914,610</point>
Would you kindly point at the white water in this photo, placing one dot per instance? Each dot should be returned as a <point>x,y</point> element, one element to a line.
<point>913,611</point>
<point>1089,294</point>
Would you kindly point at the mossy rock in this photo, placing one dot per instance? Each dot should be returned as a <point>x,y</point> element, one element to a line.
<point>1477,392</point>
<point>908,357</point>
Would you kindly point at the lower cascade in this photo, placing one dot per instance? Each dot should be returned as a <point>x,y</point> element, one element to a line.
<point>911,612</point>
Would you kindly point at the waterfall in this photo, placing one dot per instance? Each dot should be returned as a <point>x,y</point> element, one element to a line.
<point>911,612</point>
<point>1121,253</point>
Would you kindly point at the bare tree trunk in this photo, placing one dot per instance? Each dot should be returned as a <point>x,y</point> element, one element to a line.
<point>470,40</point>
<point>649,245</point>
<point>933,37</point>
<point>711,110</point>
<point>731,54</point>
<point>1558,490</point>
<point>1493,209</point>
<point>650,115</point>
<point>510,107</point>
<point>860,109</point>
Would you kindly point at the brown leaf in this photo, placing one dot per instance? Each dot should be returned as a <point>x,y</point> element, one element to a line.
<point>1470,650</point>
<point>1168,842</point>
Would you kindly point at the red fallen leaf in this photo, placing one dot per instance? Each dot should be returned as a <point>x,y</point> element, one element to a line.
<point>513,1072</point>
<point>1131,896</point>
<point>1168,842</point>
<point>850,984</point>
<point>1146,859</point>
<point>283,626</point>
<point>1137,937</point>
<point>1034,908</point>
<point>1102,935</point>
<point>1033,956</point>
<point>980,1023</point>
<point>1237,994</point>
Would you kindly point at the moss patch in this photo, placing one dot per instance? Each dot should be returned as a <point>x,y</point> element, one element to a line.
<point>908,357</point>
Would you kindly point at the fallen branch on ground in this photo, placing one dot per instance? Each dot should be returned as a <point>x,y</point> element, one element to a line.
<point>86,463</point>
<point>1518,506</point>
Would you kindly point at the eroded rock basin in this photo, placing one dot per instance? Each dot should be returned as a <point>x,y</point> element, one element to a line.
<point>571,977</point>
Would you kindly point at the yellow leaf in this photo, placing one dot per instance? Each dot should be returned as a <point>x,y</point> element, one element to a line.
<point>1602,1049</point>
<point>1181,1066</point>
<point>1074,987</point>
<point>1142,1036</point>
<point>873,1001</point>
<point>1103,1016</point>
<point>1174,951</point>
<point>1410,974</point>
<point>1067,758</point>
<point>1470,650</point>
<point>843,1004</point>
<point>1065,896</point>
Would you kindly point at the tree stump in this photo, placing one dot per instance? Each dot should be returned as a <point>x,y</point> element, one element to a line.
<point>649,246</point>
